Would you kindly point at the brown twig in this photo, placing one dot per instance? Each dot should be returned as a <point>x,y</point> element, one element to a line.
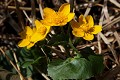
<point>110,74</point>
<point>22,8</point>
<point>40,8</point>
<point>42,74</point>
<point>33,12</point>
<point>58,52</point>
<point>9,2</point>
<point>108,25</point>
<point>20,18</point>
<point>12,63</point>
<point>16,60</point>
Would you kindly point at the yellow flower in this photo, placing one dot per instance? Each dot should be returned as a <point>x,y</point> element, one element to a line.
<point>31,36</point>
<point>85,27</point>
<point>60,18</point>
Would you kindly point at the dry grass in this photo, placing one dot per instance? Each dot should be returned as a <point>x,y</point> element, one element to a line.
<point>105,13</point>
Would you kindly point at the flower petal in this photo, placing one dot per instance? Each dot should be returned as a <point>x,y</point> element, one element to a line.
<point>64,9</point>
<point>28,30</point>
<point>48,22</point>
<point>38,24</point>
<point>34,29</point>
<point>49,16</point>
<point>37,37</point>
<point>23,43</point>
<point>89,20</point>
<point>82,19</point>
<point>70,16</point>
<point>48,29</point>
<point>48,12</point>
<point>97,29</point>
<point>88,36</point>
<point>74,24</point>
<point>30,45</point>
<point>78,32</point>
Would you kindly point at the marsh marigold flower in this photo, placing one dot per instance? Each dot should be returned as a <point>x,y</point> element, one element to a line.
<point>85,27</point>
<point>31,36</point>
<point>59,18</point>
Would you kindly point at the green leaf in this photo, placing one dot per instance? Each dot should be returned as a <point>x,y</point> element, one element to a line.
<point>97,63</point>
<point>25,52</point>
<point>76,68</point>
<point>37,60</point>
<point>26,64</point>
<point>29,71</point>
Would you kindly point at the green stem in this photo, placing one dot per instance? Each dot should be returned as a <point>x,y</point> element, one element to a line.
<point>71,45</point>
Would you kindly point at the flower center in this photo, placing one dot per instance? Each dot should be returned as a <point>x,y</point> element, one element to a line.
<point>91,30</point>
<point>87,29</point>
<point>42,30</point>
<point>60,19</point>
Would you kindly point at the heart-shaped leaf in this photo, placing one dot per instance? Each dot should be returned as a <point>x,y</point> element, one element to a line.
<point>76,68</point>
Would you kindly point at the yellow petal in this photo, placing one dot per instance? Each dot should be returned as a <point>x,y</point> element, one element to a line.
<point>97,29</point>
<point>64,9</point>
<point>78,32</point>
<point>48,12</point>
<point>23,43</point>
<point>37,37</point>
<point>49,16</point>
<point>82,19</point>
<point>28,30</point>
<point>48,29</point>
<point>34,29</point>
<point>88,36</point>
<point>70,16</point>
<point>89,20</point>
<point>40,34</point>
<point>30,45</point>
<point>74,24</point>
<point>48,22</point>
<point>41,27</point>
<point>38,24</point>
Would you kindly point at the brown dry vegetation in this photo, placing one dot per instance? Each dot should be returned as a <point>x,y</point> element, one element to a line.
<point>105,12</point>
